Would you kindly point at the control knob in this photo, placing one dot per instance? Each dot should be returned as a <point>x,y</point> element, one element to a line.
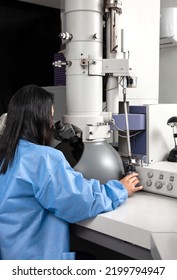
<point>148,183</point>
<point>150,174</point>
<point>169,187</point>
<point>158,184</point>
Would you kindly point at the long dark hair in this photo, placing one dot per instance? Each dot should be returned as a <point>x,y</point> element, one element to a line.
<point>29,117</point>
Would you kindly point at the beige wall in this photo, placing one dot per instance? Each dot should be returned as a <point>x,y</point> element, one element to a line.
<point>142,22</point>
<point>168,67</point>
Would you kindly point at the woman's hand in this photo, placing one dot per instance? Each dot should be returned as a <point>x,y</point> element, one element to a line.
<point>130,181</point>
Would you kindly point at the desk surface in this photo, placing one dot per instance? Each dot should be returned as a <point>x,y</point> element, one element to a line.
<point>135,221</point>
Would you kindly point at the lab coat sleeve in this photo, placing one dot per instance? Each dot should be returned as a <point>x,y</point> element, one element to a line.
<point>71,197</point>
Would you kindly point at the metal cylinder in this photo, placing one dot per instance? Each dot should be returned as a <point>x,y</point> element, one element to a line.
<point>84,90</point>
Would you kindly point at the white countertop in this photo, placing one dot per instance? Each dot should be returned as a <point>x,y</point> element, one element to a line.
<point>141,215</point>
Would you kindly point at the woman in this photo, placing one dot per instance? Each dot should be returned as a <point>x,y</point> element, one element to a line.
<point>40,194</point>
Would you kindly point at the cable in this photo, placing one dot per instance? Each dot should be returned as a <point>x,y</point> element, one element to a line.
<point>118,128</point>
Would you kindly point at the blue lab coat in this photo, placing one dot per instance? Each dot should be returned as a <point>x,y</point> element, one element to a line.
<point>40,194</point>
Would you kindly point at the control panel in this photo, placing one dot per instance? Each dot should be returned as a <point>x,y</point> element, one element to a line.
<point>159,177</point>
